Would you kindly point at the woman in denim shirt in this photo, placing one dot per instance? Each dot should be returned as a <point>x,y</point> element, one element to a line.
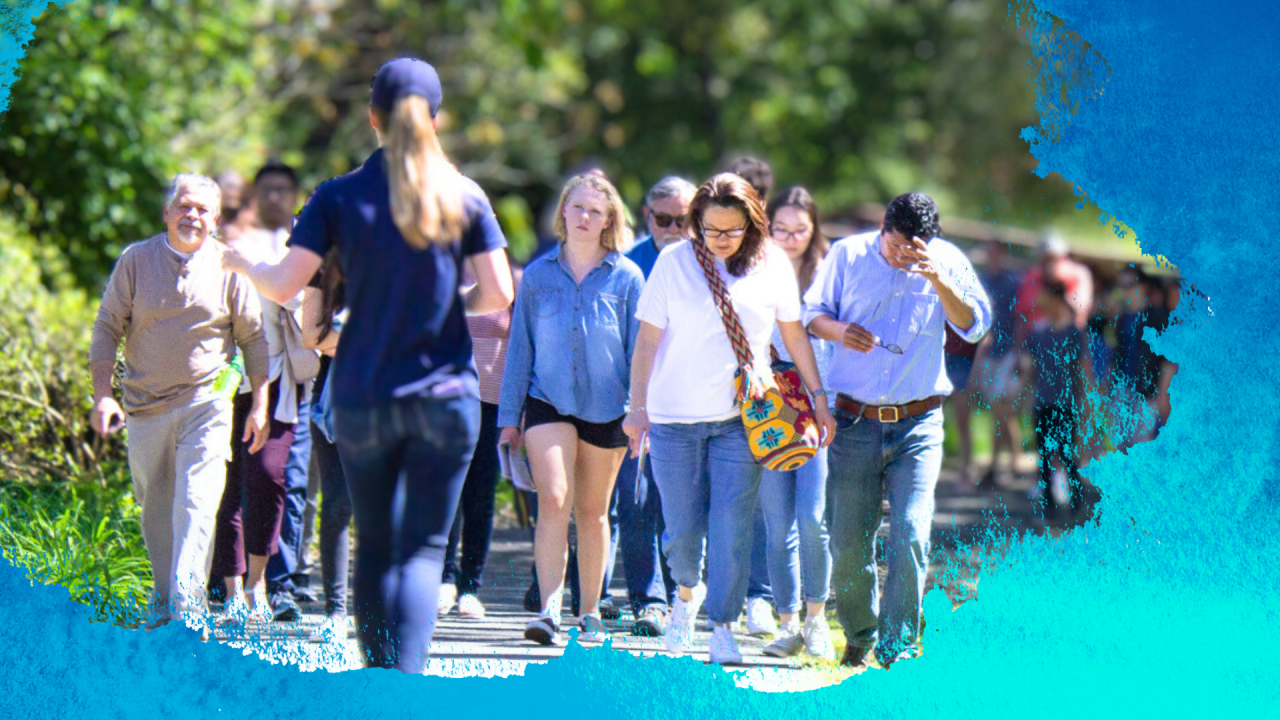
<point>567,374</point>
<point>795,501</point>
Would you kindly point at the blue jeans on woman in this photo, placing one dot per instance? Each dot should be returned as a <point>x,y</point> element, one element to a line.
<point>709,482</point>
<point>795,504</point>
<point>870,459</point>
<point>405,463</point>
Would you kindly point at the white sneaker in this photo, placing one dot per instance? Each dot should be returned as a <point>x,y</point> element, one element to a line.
<point>789,642</point>
<point>724,649</point>
<point>677,635</point>
<point>470,607</point>
<point>817,638</point>
<point>760,620</point>
<point>448,597</point>
<point>592,630</point>
<point>334,627</point>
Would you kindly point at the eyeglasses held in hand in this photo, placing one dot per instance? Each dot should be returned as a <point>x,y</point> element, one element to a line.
<point>890,347</point>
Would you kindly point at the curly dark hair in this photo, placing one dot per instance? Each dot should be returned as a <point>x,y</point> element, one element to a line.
<point>732,191</point>
<point>912,215</point>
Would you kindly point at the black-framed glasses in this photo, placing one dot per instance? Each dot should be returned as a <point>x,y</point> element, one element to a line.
<point>890,347</point>
<point>664,220</point>
<point>714,233</point>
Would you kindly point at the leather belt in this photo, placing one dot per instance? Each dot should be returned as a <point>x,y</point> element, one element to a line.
<point>887,413</point>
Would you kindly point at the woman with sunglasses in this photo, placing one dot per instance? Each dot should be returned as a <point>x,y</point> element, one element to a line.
<point>684,397</point>
<point>568,361</point>
<point>405,394</point>
<point>795,501</point>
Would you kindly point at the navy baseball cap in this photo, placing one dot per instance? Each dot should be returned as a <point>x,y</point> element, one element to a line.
<point>405,76</point>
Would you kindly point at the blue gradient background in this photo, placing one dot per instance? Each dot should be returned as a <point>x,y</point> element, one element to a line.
<point>1166,606</point>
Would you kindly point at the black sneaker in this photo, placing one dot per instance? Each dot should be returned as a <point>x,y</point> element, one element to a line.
<point>855,657</point>
<point>304,595</point>
<point>608,610</point>
<point>542,630</point>
<point>283,608</point>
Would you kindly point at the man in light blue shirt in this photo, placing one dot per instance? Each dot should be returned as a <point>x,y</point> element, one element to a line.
<point>883,298</point>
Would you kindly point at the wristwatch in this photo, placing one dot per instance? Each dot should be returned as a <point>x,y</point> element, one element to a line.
<point>818,392</point>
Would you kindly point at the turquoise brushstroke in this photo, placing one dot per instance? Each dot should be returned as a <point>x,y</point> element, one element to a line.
<point>1164,607</point>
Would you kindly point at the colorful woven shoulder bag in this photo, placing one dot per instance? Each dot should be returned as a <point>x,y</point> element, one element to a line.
<point>776,410</point>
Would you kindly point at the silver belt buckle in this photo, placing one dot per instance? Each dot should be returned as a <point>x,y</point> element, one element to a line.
<point>881,410</point>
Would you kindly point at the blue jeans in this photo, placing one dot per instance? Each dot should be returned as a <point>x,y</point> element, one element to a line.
<point>868,460</point>
<point>709,483</point>
<point>405,463</point>
<point>639,537</point>
<point>795,504</point>
<point>282,565</point>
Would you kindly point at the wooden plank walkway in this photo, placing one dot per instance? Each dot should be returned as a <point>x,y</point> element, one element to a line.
<point>495,646</point>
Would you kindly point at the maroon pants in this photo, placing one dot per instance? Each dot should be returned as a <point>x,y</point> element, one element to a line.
<point>253,501</point>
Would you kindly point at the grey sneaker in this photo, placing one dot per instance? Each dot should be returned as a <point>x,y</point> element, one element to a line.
<point>649,624</point>
<point>334,627</point>
<point>788,643</point>
<point>543,630</point>
<point>592,629</point>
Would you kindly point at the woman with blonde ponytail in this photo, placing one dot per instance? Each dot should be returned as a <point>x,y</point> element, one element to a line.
<point>404,388</point>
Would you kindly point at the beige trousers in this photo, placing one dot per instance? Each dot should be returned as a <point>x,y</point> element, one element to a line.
<point>178,460</point>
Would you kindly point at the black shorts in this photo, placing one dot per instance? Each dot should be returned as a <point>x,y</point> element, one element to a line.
<point>607,435</point>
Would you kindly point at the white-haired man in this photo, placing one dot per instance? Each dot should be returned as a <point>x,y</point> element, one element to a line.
<point>181,317</point>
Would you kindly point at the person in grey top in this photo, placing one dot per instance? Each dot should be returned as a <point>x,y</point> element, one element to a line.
<point>181,317</point>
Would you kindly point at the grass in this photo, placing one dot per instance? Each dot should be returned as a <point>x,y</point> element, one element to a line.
<point>84,538</point>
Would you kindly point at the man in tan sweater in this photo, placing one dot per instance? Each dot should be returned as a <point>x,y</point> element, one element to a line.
<point>181,318</point>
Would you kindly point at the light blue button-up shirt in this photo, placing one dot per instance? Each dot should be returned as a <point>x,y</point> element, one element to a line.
<point>571,343</point>
<point>856,284</point>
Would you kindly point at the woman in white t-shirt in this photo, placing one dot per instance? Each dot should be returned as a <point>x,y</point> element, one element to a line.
<point>683,370</point>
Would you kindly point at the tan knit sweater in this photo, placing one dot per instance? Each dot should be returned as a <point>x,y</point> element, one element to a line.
<point>181,320</point>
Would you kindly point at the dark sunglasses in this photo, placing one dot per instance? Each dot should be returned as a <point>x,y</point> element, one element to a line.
<point>664,220</point>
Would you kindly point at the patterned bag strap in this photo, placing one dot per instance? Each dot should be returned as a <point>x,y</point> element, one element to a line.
<point>732,326</point>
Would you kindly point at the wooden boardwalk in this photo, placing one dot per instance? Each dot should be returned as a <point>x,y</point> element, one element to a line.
<point>495,646</point>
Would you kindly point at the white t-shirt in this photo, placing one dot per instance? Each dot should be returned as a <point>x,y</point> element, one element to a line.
<point>692,379</point>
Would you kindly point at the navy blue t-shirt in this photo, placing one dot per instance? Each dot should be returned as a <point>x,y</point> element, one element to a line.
<point>407,330</point>
<point>645,254</point>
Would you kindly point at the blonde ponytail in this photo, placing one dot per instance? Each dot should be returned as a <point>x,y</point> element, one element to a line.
<point>426,189</point>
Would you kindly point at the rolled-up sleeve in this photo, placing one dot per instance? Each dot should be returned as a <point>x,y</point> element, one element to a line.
<point>518,372</point>
<point>115,311</point>
<point>823,296</point>
<point>972,294</point>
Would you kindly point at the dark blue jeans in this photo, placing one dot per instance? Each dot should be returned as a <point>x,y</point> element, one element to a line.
<point>405,463</point>
<point>473,525</point>
<point>639,538</point>
<point>335,519</point>
<point>282,565</point>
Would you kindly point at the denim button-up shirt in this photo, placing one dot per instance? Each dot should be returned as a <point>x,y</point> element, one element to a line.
<point>571,343</point>
<point>856,284</point>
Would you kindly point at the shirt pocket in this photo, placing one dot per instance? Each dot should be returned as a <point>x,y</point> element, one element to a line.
<point>609,310</point>
<point>927,316</point>
<point>549,303</point>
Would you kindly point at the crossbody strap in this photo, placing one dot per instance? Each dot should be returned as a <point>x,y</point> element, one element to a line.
<point>732,326</point>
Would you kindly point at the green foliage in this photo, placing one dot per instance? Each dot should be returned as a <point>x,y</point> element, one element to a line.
<point>45,385</point>
<point>86,539</point>
<point>113,100</point>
